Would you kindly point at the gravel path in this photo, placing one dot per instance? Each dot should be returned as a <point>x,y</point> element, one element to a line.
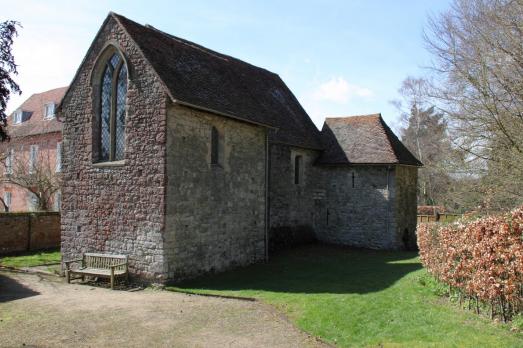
<point>43,311</point>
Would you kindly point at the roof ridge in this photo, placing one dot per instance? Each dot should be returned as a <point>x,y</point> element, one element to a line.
<point>386,130</point>
<point>188,43</point>
<point>50,90</point>
<point>395,143</point>
<point>352,116</point>
<point>194,45</point>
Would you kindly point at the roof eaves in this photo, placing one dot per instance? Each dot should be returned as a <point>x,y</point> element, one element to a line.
<point>181,102</point>
<point>390,138</point>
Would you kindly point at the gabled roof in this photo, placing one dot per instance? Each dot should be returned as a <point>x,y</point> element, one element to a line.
<point>362,140</point>
<point>33,117</point>
<point>200,77</point>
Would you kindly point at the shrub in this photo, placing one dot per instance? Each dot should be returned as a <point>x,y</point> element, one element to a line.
<point>482,260</point>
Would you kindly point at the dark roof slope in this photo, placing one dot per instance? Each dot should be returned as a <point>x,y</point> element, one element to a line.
<point>33,119</point>
<point>204,78</point>
<point>362,140</point>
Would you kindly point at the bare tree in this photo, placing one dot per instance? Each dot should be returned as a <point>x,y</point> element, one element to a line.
<point>35,171</point>
<point>3,157</point>
<point>476,81</point>
<point>424,132</point>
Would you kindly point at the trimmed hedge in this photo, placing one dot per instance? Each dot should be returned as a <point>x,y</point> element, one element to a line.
<point>482,260</point>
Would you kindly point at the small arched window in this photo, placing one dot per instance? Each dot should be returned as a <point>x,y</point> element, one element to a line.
<point>112,110</point>
<point>215,146</point>
<point>297,170</point>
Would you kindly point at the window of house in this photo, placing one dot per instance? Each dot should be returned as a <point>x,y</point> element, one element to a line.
<point>7,199</point>
<point>49,110</point>
<point>33,157</point>
<point>297,170</point>
<point>9,162</point>
<point>32,201</point>
<point>58,201</point>
<point>113,93</point>
<point>17,117</point>
<point>58,167</point>
<point>215,146</point>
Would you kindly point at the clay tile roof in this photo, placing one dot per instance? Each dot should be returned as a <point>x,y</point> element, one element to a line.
<point>33,119</point>
<point>362,140</point>
<point>207,79</point>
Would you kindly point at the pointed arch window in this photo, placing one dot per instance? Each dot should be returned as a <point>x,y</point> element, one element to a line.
<point>112,110</point>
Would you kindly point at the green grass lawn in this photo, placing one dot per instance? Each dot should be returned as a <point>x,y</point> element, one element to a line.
<point>31,259</point>
<point>359,298</point>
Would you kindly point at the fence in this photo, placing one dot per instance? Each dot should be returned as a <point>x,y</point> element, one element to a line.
<point>29,231</point>
<point>438,218</point>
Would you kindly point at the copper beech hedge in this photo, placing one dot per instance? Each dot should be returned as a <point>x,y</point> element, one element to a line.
<point>481,260</point>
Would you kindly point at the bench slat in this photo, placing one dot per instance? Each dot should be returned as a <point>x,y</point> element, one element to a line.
<point>97,271</point>
<point>97,264</point>
<point>116,256</point>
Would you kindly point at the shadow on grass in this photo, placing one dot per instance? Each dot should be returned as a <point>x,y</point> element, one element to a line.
<point>11,290</point>
<point>315,269</point>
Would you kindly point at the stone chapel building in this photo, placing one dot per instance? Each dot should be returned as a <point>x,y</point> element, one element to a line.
<point>191,161</point>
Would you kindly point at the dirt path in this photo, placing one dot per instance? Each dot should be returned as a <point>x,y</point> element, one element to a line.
<point>44,311</point>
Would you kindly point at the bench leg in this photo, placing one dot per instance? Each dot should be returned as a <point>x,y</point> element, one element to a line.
<point>112,279</point>
<point>68,276</point>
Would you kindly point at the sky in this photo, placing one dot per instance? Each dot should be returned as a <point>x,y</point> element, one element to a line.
<point>339,58</point>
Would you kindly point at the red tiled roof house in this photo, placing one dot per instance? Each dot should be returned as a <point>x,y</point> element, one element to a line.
<point>35,145</point>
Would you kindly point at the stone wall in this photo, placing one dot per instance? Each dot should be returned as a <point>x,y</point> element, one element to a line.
<point>29,231</point>
<point>215,212</point>
<point>405,205</point>
<point>115,207</point>
<point>292,210</point>
<point>358,208</point>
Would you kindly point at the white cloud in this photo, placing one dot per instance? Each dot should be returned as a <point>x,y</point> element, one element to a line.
<point>340,91</point>
<point>337,97</point>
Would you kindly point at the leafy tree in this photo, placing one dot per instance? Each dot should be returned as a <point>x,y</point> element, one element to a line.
<point>8,30</point>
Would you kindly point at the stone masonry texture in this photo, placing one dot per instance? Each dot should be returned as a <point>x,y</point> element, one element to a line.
<point>215,212</point>
<point>292,210</point>
<point>116,209</point>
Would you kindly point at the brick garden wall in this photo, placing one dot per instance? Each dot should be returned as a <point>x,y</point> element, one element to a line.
<point>29,231</point>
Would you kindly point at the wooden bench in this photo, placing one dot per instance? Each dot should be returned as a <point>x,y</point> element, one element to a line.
<point>99,265</point>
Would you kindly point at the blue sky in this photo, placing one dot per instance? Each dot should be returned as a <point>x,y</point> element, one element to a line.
<point>338,57</point>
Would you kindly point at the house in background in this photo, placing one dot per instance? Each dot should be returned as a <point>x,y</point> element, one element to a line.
<point>190,161</point>
<point>33,152</point>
